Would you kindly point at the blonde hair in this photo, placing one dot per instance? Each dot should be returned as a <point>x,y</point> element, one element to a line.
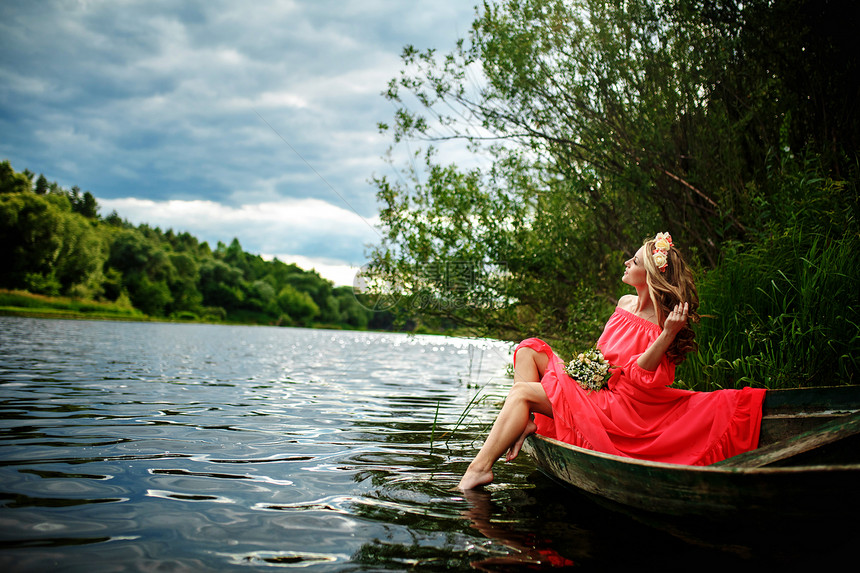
<point>668,288</point>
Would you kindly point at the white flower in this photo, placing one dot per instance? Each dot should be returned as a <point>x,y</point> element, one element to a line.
<point>589,369</point>
<point>659,258</point>
<point>663,241</point>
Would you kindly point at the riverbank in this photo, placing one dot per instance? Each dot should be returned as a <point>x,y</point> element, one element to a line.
<point>23,303</point>
<point>26,304</point>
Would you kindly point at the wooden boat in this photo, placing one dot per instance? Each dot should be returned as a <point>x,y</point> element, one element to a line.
<point>806,471</point>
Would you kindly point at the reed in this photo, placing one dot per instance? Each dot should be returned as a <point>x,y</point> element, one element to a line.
<point>433,430</point>
<point>780,313</point>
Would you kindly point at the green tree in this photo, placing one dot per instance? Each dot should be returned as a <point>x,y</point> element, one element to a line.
<point>114,220</point>
<point>261,297</point>
<point>152,297</point>
<point>185,296</point>
<point>350,311</point>
<point>234,256</point>
<point>46,248</point>
<point>317,287</point>
<point>12,182</point>
<point>81,256</point>
<point>146,268</point>
<point>87,206</point>
<point>30,242</point>
<point>598,123</point>
<point>42,185</point>
<point>299,306</point>
<point>220,284</point>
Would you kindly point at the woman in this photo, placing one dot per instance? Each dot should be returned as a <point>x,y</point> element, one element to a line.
<point>636,415</point>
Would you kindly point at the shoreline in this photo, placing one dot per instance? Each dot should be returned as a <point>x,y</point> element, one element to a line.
<point>70,314</point>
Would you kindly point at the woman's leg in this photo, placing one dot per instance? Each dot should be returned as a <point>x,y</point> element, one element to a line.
<point>508,429</point>
<point>530,366</point>
<point>514,422</point>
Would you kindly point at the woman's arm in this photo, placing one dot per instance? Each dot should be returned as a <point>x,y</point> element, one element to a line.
<point>677,319</point>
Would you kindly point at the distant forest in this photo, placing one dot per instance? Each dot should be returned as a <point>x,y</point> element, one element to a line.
<point>53,241</point>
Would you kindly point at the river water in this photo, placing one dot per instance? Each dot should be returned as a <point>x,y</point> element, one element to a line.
<point>187,447</point>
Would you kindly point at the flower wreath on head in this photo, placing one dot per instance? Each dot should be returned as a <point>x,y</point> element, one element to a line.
<point>662,244</point>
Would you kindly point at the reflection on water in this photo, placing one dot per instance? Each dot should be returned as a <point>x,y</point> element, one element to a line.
<point>207,448</point>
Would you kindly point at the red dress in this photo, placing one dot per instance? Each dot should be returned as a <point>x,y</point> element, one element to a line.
<point>637,415</point>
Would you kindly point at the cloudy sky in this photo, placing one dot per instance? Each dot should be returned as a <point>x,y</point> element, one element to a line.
<point>223,118</point>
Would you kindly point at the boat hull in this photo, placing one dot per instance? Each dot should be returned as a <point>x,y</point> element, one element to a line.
<point>807,468</point>
<point>709,493</point>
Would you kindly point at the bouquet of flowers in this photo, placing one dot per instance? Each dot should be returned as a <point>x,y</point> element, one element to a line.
<point>590,369</point>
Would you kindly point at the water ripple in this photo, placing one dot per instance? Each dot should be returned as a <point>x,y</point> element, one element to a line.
<point>211,447</point>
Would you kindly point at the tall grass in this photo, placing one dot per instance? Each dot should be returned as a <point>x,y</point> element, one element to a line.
<point>782,310</point>
<point>22,302</point>
<point>781,313</point>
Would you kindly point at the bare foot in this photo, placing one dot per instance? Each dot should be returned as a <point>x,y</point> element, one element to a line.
<point>514,451</point>
<point>475,478</point>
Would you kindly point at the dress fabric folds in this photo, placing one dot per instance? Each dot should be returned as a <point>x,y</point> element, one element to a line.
<point>637,415</point>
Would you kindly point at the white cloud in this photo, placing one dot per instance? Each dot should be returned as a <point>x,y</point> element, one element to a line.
<point>142,101</point>
<point>340,274</point>
<point>320,235</point>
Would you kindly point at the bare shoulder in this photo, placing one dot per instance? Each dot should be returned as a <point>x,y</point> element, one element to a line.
<point>628,302</point>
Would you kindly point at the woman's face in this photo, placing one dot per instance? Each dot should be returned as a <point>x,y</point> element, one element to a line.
<point>634,271</point>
